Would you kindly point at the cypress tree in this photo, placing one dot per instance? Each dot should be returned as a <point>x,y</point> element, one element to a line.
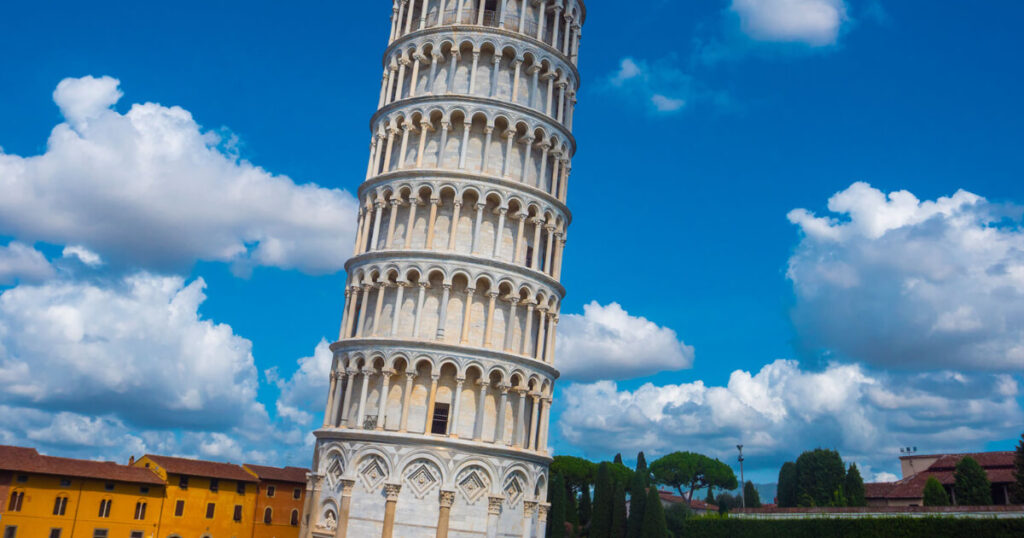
<point>571,511</point>
<point>601,518</point>
<point>618,512</point>
<point>618,458</point>
<point>556,514</point>
<point>750,495</point>
<point>934,493</point>
<point>654,517</point>
<point>585,509</point>
<point>641,467</point>
<point>637,500</point>
<point>853,487</point>
<point>710,499</point>
<point>972,485</point>
<point>787,487</point>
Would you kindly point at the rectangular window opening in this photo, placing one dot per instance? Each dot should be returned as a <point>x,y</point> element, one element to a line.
<point>10,531</point>
<point>179,508</point>
<point>238,512</point>
<point>214,484</point>
<point>440,422</point>
<point>55,533</point>
<point>297,493</point>
<point>209,510</point>
<point>99,533</point>
<point>241,488</point>
<point>183,482</point>
<point>270,491</point>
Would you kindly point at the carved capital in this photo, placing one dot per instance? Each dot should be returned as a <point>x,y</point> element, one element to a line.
<point>542,511</point>
<point>494,504</point>
<point>391,491</point>
<point>346,487</point>
<point>446,498</point>
<point>528,508</point>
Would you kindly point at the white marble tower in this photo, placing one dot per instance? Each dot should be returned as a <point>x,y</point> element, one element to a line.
<point>437,416</point>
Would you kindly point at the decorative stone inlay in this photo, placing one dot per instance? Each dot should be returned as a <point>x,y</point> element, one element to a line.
<point>513,490</point>
<point>372,473</point>
<point>422,477</point>
<point>335,471</point>
<point>473,484</point>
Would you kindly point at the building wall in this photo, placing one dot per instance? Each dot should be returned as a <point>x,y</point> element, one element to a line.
<point>281,504</point>
<point>81,514</point>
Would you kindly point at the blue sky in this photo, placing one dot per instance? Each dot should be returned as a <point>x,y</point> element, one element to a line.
<point>701,127</point>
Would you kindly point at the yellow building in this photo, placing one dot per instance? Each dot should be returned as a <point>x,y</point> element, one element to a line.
<point>204,499</point>
<point>49,497</point>
<point>279,500</point>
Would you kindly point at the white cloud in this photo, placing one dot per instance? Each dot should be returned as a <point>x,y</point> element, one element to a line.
<point>904,283</point>
<point>83,255</point>
<point>22,263</point>
<point>813,22</point>
<point>150,188</point>
<point>304,394</point>
<point>662,87</point>
<point>783,410</point>
<point>605,342</point>
<point>884,477</point>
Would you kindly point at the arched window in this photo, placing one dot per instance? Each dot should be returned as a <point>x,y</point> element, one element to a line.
<point>268,515</point>
<point>16,500</point>
<point>295,518</point>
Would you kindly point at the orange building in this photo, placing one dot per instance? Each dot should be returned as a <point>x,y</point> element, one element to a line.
<point>204,498</point>
<point>49,497</point>
<point>280,495</point>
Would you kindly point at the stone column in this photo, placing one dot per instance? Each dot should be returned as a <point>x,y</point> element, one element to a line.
<point>550,76</point>
<point>472,71</point>
<point>419,308</point>
<point>391,493</point>
<point>534,72</point>
<point>434,57</point>
<point>520,433</point>
<point>528,150</point>
<point>464,333</point>
<point>556,270</point>
<point>392,75</point>
<point>398,308</point>
<point>518,248</point>
<point>545,409</point>
<point>549,354</point>
<point>431,221</point>
<point>329,410</point>
<point>489,325</point>
<point>454,224</point>
<point>554,26</point>
<point>478,422</point>
<point>507,345</point>
<point>499,429</point>
<point>476,228</point>
<point>403,148</point>
<point>361,410</point>
<point>445,127</point>
<point>446,500</point>
<point>359,232</point>
<point>565,34</point>
<point>494,74</point>
<point>382,405</point>
<point>556,179</point>
<point>382,288</point>
<point>518,63</point>
<point>529,507</point>
<point>422,144</point>
<point>543,173</point>
<point>539,350</point>
<point>430,403</point>
<point>392,131</point>
<point>408,17</point>
<point>378,159</point>
<point>410,225</point>
<point>311,506</point>
<point>390,239</point>
<point>343,510</point>
<point>373,150</point>
<point>494,504</point>
<point>526,332</point>
<point>542,518</point>
<point>535,262</point>
<point>351,374</point>
<point>443,311</point>
<point>499,232</point>
<point>403,425</point>
<point>540,22</point>
<point>548,248</point>
<point>423,14</point>
<point>336,405</point>
<point>531,443</point>
<point>394,22</point>
<point>377,215</point>
<point>488,133</point>
<point>453,420</point>
<point>353,298</point>
<point>561,100</point>
<point>451,70</point>
<point>467,126</point>
<point>363,307</point>
<point>522,17</point>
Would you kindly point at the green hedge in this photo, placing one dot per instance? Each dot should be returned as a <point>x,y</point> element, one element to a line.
<point>925,527</point>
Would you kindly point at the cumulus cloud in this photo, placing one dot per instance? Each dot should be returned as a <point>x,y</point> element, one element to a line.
<point>83,255</point>
<point>22,263</point>
<point>151,188</point>
<point>662,87</point>
<point>605,342</point>
<point>904,283</point>
<point>303,395</point>
<point>813,22</point>
<point>782,410</point>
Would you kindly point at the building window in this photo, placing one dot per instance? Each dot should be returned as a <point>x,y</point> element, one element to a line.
<point>529,256</point>
<point>60,505</point>
<point>136,534</point>
<point>295,518</point>
<point>143,489</point>
<point>105,508</point>
<point>16,499</point>
<point>238,512</point>
<point>183,482</point>
<point>179,508</point>
<point>440,424</point>
<point>99,533</point>
<point>65,483</point>
<point>10,531</point>
<point>268,516</point>
<point>270,491</point>
<point>214,484</point>
<point>140,510</point>
<point>23,478</point>
<point>297,493</point>
<point>241,488</point>
<point>209,510</point>
<point>109,486</point>
<point>54,533</point>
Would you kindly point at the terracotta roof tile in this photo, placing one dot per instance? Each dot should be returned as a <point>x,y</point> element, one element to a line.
<point>28,460</point>
<point>209,469</point>
<point>279,474</point>
<point>987,460</point>
<point>696,504</point>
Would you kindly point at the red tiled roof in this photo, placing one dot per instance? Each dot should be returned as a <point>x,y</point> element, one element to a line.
<point>280,474</point>
<point>998,466</point>
<point>209,469</point>
<point>28,460</point>
<point>987,460</point>
<point>696,504</point>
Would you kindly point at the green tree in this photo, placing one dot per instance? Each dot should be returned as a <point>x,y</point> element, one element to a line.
<point>934,493</point>
<point>618,458</point>
<point>572,516</point>
<point>972,486</point>
<point>819,474</point>
<point>710,498</point>
<point>654,516</point>
<point>853,487</point>
<point>751,497</point>
<point>692,471</point>
<point>618,512</point>
<point>620,473</point>
<point>727,501</point>
<point>556,514</point>
<point>676,516</point>
<point>641,467</point>
<point>578,473</point>
<point>787,493</point>
<point>601,520</point>
<point>1017,487</point>
<point>585,510</point>
<point>637,500</point>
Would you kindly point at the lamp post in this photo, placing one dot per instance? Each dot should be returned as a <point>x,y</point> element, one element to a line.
<point>743,483</point>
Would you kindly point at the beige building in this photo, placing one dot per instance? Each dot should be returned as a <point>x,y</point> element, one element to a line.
<point>437,415</point>
<point>916,469</point>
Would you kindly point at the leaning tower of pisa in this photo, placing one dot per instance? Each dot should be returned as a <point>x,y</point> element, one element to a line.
<point>440,392</point>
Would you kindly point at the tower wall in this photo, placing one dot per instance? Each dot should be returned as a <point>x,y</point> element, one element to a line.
<point>437,414</point>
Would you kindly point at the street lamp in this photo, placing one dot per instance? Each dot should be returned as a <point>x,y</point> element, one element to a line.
<point>743,483</point>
